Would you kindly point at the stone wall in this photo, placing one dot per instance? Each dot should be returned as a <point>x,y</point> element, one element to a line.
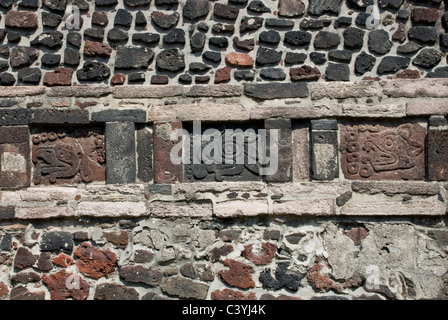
<point>92,205</point>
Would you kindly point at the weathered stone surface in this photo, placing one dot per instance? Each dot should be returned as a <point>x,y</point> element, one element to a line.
<point>30,75</point>
<point>260,254</point>
<point>324,160</point>
<point>291,8</point>
<point>50,40</point>
<point>416,88</point>
<point>114,291</point>
<point>423,34</point>
<point>165,171</point>
<point>22,293</point>
<point>60,77</point>
<point>24,259</point>
<point>228,294</point>
<point>133,58</point>
<point>182,208</point>
<point>319,7</point>
<point>17,19</point>
<point>428,58</point>
<point>276,91</point>
<point>268,56</point>
<point>57,240</point>
<point>297,38</point>
<point>386,208</point>
<point>225,11</point>
<point>353,38</point>
<point>240,208</point>
<point>283,278</point>
<point>97,49</point>
<point>337,72</point>
<point>140,274</point>
<point>395,152</point>
<point>185,288</point>
<point>249,24</point>
<point>392,64</point>
<point>120,152</point>
<point>238,274</point>
<point>171,60</point>
<point>93,71</point>
<point>424,15</point>
<point>23,57</point>
<point>364,63</point>
<point>326,40</point>
<point>56,283</point>
<point>379,42</point>
<point>25,277</point>
<point>196,9</point>
<point>304,73</point>
<point>437,154</point>
<point>94,262</point>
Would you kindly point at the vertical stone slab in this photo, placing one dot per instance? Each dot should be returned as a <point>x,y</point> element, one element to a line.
<point>284,153</point>
<point>165,171</point>
<point>324,153</point>
<point>120,152</point>
<point>15,168</point>
<point>383,151</point>
<point>437,148</point>
<point>145,163</point>
<point>301,151</point>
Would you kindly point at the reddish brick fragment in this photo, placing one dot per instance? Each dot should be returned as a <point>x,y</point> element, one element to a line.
<point>228,294</point>
<point>238,275</point>
<point>63,285</point>
<point>63,260</point>
<point>94,262</point>
<point>260,254</point>
<point>60,77</point>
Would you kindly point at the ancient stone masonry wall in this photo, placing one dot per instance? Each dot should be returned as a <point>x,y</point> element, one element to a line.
<point>102,198</point>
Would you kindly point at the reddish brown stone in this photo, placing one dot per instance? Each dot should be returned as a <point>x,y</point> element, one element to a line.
<point>304,73</point>
<point>68,155</point>
<point>99,18</point>
<point>94,262</point>
<point>408,74</point>
<point>424,15</point>
<point>14,155</point>
<point>118,79</point>
<point>228,294</point>
<point>59,290</point>
<point>291,8</point>
<point>44,262</point>
<point>165,171</point>
<point>120,238</point>
<point>246,45</point>
<point>24,259</point>
<point>357,235</point>
<point>96,49</point>
<point>25,277</point>
<point>22,293</point>
<point>3,290</point>
<point>160,79</point>
<point>400,34</point>
<point>238,275</point>
<point>63,260</point>
<point>388,151</point>
<point>21,20</point>
<point>262,255</point>
<point>60,77</point>
<point>236,59</point>
<point>222,75</point>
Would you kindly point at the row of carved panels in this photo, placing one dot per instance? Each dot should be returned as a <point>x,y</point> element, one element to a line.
<point>83,154</point>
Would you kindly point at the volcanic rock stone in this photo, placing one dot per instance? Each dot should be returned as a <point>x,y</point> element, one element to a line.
<point>224,11</point>
<point>146,38</point>
<point>117,35</point>
<point>57,240</point>
<point>319,7</point>
<point>56,5</point>
<point>175,36</point>
<point>23,57</point>
<point>71,57</point>
<point>392,64</point>
<point>123,18</point>
<point>219,42</point>
<point>441,72</point>
<point>212,56</point>
<point>258,6</point>
<point>292,58</point>
<point>379,42</point>
<point>273,74</point>
<point>133,58</point>
<point>265,91</point>
<point>364,62</point>
<point>344,56</point>
<point>269,37</point>
<point>244,75</point>
<point>408,48</point>
<point>291,8</point>
<point>7,79</point>
<point>297,38</point>
<point>304,73</point>
<point>137,3</point>
<point>93,49</point>
<point>24,259</point>
<point>337,72</point>
<point>395,4</point>
<point>93,71</point>
<point>223,28</point>
<point>51,40</point>
<point>106,3</point>
<point>399,35</point>
<point>60,77</point>
<point>94,33</point>
<point>326,40</point>
<point>196,9</point>
<point>423,34</point>
<point>279,23</point>
<point>424,15</point>
<point>249,24</point>
<point>198,67</point>
<point>171,60</point>
<point>318,58</point>
<point>353,38</point>
<point>246,45</point>
<point>140,274</point>
<point>428,58</point>
<point>30,75</point>
<point>197,42</point>
<point>74,39</point>
<point>99,18</point>
<point>51,20</point>
<point>26,20</point>
<point>267,56</point>
<point>140,19</point>
<point>165,21</point>
<point>94,262</point>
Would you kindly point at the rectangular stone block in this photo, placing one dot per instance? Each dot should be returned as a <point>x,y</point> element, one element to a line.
<point>40,194</point>
<point>437,154</point>
<point>386,151</point>
<point>165,171</point>
<point>324,150</point>
<point>135,115</point>
<point>15,117</point>
<point>415,88</point>
<point>267,91</point>
<point>87,91</point>
<point>305,190</point>
<point>391,188</point>
<point>7,213</point>
<point>142,91</point>
<point>44,212</point>
<point>145,160</point>
<point>240,208</point>
<point>301,152</point>
<point>120,152</point>
<point>343,90</point>
<point>15,170</point>
<point>283,152</point>
<point>195,209</point>
<point>374,111</point>
<point>68,155</point>
<point>294,112</point>
<point>112,209</point>
<point>65,115</point>
<point>398,208</point>
<point>315,207</point>
<point>21,91</point>
<point>419,108</point>
<point>165,189</point>
<point>198,112</point>
<point>207,157</point>
<point>218,91</point>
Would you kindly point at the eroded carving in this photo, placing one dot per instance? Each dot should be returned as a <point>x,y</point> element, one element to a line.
<point>374,151</point>
<point>68,155</point>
